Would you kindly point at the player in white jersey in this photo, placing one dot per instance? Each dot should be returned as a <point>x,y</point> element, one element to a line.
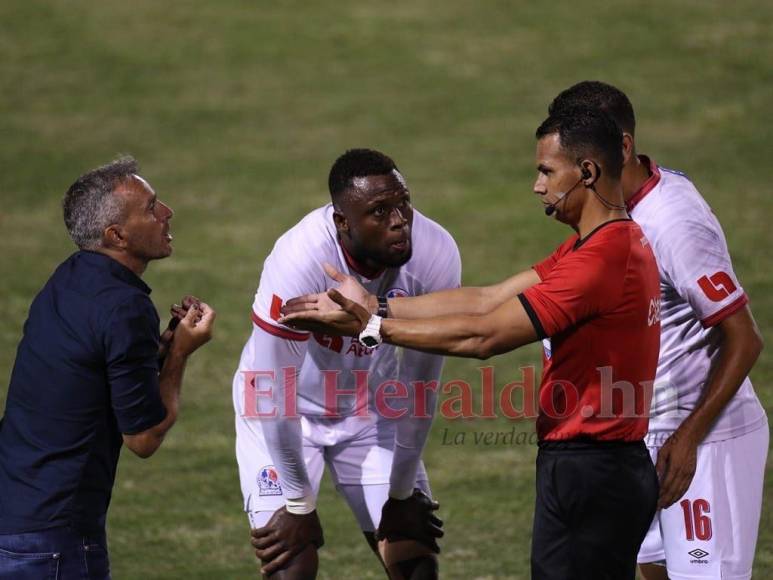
<point>708,431</point>
<point>304,400</point>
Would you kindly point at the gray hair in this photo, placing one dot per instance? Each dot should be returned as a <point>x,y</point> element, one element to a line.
<point>89,204</point>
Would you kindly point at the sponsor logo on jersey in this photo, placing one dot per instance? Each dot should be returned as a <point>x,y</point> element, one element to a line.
<point>699,556</point>
<point>396,293</point>
<point>547,347</point>
<point>268,481</point>
<point>337,343</point>
<point>717,287</point>
<point>334,343</point>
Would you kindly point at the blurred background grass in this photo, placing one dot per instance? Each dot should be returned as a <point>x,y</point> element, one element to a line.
<point>236,110</point>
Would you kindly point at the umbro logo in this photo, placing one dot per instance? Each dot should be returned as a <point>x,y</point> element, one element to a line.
<point>698,553</point>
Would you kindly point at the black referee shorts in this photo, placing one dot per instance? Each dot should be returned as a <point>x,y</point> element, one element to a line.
<point>595,502</point>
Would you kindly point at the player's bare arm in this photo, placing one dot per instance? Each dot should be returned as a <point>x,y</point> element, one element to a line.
<point>741,346</point>
<point>477,336</point>
<point>470,300</point>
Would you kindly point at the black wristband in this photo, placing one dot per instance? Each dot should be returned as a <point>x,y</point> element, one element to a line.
<point>383,307</point>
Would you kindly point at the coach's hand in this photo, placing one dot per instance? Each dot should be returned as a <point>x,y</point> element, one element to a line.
<point>411,519</point>
<point>177,313</point>
<point>348,286</point>
<point>284,536</point>
<point>676,466</point>
<point>194,330</point>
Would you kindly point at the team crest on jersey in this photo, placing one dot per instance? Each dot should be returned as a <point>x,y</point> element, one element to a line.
<point>396,293</point>
<point>547,347</point>
<point>268,481</point>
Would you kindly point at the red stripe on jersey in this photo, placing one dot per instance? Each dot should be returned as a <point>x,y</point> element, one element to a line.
<point>276,307</point>
<point>278,332</point>
<point>648,185</point>
<point>720,315</point>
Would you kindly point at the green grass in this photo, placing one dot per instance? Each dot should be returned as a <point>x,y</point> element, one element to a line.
<point>236,110</point>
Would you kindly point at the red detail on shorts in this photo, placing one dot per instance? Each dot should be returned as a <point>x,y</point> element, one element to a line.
<point>277,331</point>
<point>718,287</point>
<point>696,523</point>
<point>720,315</point>
<point>276,307</point>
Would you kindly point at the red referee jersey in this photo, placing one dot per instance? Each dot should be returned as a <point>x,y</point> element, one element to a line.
<point>597,309</point>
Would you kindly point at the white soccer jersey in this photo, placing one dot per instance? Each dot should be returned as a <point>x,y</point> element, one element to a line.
<point>698,290</point>
<point>294,268</point>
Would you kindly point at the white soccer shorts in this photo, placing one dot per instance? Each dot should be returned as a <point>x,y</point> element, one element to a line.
<point>711,532</point>
<point>357,451</point>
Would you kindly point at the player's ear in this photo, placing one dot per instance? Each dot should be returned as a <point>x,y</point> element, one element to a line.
<point>628,148</point>
<point>340,221</point>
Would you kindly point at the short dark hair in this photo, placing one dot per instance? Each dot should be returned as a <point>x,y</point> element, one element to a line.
<point>89,204</point>
<point>597,94</point>
<point>357,163</point>
<point>584,132</point>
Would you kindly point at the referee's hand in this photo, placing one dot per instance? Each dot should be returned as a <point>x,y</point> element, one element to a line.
<point>676,467</point>
<point>348,321</point>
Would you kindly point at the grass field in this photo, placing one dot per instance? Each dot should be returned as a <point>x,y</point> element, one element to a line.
<point>236,110</point>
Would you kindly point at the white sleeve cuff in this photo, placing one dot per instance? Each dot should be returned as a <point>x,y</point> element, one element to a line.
<point>301,506</point>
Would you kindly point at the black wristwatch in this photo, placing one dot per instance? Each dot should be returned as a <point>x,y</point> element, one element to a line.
<point>383,307</point>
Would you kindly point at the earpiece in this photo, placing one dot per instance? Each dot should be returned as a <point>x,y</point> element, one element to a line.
<point>586,174</point>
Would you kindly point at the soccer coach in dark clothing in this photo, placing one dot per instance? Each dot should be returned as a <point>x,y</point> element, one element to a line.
<point>91,372</point>
<point>595,305</point>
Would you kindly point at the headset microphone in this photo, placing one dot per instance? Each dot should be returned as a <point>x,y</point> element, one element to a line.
<point>552,207</point>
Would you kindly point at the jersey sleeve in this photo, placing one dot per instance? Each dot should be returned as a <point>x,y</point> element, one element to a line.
<point>445,270</point>
<point>293,268</point>
<point>266,362</point>
<point>290,270</point>
<point>579,286</point>
<point>131,354</point>
<point>695,257</point>
<point>544,267</point>
<point>412,430</point>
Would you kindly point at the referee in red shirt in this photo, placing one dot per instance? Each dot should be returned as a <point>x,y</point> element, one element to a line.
<point>594,303</point>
